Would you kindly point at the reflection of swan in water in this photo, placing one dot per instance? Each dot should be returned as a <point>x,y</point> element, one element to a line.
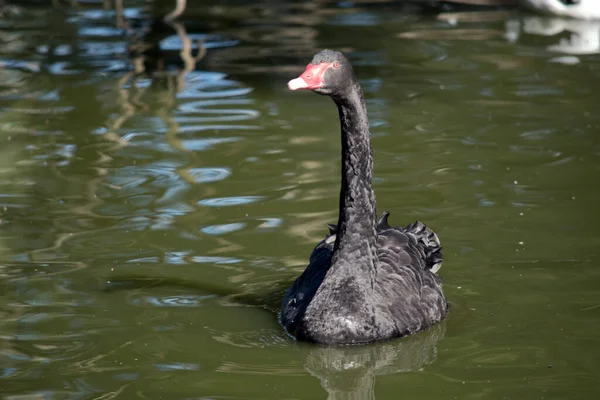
<point>348,373</point>
<point>581,9</point>
<point>584,35</point>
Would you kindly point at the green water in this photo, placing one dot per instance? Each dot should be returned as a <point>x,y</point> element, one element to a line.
<point>149,223</point>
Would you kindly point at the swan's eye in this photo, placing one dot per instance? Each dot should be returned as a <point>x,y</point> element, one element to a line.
<point>308,76</point>
<point>336,64</point>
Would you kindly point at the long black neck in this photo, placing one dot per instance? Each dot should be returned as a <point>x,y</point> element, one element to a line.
<point>356,233</point>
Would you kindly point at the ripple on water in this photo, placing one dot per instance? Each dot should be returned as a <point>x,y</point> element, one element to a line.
<point>201,175</point>
<point>180,257</point>
<point>105,31</point>
<point>161,174</point>
<point>172,301</point>
<point>207,143</point>
<point>208,42</point>
<point>177,367</point>
<point>230,201</point>
<point>355,19</point>
<point>216,114</point>
<point>220,229</point>
<point>538,134</point>
<point>27,270</point>
<point>270,222</point>
<point>215,260</point>
<point>107,15</point>
<point>26,66</point>
<point>280,370</point>
<point>223,228</point>
<point>202,128</point>
<point>60,50</point>
<point>127,377</point>
<point>254,338</point>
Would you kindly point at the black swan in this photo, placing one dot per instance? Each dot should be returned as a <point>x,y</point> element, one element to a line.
<point>366,281</point>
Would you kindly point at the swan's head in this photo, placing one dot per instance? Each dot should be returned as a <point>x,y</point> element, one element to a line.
<point>328,73</point>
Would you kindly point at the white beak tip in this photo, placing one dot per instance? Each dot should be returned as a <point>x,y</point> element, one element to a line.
<point>297,83</point>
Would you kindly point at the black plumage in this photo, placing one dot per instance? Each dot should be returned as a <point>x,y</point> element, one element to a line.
<point>366,281</point>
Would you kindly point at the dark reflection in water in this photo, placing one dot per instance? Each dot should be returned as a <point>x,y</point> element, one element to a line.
<point>349,373</point>
<point>168,152</point>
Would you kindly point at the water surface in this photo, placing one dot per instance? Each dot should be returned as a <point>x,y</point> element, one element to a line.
<point>160,187</point>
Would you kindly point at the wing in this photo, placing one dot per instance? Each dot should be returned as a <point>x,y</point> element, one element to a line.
<point>300,294</point>
<point>423,239</point>
<point>408,259</point>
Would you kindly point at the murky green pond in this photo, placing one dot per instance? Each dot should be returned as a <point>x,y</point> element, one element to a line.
<point>160,187</point>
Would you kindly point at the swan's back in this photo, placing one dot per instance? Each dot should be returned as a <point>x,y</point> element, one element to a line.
<point>407,291</point>
<point>409,259</point>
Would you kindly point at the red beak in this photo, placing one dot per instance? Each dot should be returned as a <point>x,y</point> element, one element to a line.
<point>312,78</point>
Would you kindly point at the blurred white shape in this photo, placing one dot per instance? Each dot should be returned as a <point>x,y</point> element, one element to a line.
<point>584,36</point>
<point>580,9</point>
